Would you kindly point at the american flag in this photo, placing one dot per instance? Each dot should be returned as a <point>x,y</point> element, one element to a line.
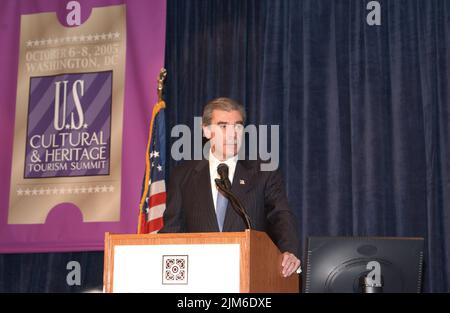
<point>153,199</point>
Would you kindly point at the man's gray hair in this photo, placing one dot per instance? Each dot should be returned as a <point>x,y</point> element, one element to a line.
<point>223,104</point>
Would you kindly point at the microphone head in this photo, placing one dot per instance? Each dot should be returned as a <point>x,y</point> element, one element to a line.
<point>222,170</point>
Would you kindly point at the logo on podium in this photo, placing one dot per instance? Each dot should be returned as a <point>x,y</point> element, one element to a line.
<point>175,270</point>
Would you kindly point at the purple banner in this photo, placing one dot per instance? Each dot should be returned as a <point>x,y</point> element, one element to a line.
<point>70,122</point>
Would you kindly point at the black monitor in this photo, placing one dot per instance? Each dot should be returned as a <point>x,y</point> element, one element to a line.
<point>363,264</point>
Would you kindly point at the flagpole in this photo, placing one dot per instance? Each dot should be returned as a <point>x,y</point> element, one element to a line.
<point>161,78</point>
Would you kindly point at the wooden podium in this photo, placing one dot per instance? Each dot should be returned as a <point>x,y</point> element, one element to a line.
<point>194,262</point>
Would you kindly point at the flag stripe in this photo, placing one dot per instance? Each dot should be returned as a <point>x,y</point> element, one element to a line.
<point>157,199</point>
<point>156,225</point>
<point>158,187</point>
<point>156,212</point>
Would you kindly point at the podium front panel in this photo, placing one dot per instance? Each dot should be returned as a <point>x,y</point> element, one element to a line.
<point>181,268</point>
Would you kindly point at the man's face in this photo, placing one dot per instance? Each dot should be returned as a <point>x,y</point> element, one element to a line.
<point>225,132</point>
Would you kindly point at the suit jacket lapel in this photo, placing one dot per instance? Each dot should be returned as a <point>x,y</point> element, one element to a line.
<point>204,196</point>
<point>242,183</point>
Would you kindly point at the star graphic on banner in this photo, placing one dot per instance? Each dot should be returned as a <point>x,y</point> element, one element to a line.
<point>82,37</point>
<point>69,190</point>
<point>34,192</point>
<point>104,189</point>
<point>111,188</point>
<point>103,36</point>
<point>55,191</point>
<point>116,35</point>
<point>110,35</point>
<point>90,189</point>
<point>41,191</point>
<point>49,41</point>
<point>83,189</point>
<point>156,154</point>
<point>29,43</point>
<point>151,154</point>
<point>96,37</point>
<point>27,192</point>
<point>97,189</point>
<point>74,38</point>
<point>19,192</point>
<point>153,164</point>
<point>77,190</point>
<point>159,167</point>
<point>89,37</point>
<point>36,43</point>
<point>48,191</point>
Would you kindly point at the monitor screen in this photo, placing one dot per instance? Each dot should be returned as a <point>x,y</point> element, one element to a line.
<point>363,264</point>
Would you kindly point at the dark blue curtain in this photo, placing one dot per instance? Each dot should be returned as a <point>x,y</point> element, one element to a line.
<point>363,115</point>
<point>363,110</point>
<point>47,272</point>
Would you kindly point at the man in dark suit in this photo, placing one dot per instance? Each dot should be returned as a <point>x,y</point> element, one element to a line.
<point>194,204</point>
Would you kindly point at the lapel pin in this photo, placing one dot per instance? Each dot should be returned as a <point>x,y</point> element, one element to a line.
<point>242,182</point>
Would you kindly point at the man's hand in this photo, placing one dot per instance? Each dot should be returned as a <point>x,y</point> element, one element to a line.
<point>290,264</point>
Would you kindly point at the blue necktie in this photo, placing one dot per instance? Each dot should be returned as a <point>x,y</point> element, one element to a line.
<point>221,209</point>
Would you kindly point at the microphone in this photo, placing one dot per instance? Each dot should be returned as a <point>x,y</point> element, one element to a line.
<point>222,170</point>
<point>224,185</point>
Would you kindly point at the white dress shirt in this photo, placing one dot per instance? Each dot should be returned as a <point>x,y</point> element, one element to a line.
<point>213,164</point>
